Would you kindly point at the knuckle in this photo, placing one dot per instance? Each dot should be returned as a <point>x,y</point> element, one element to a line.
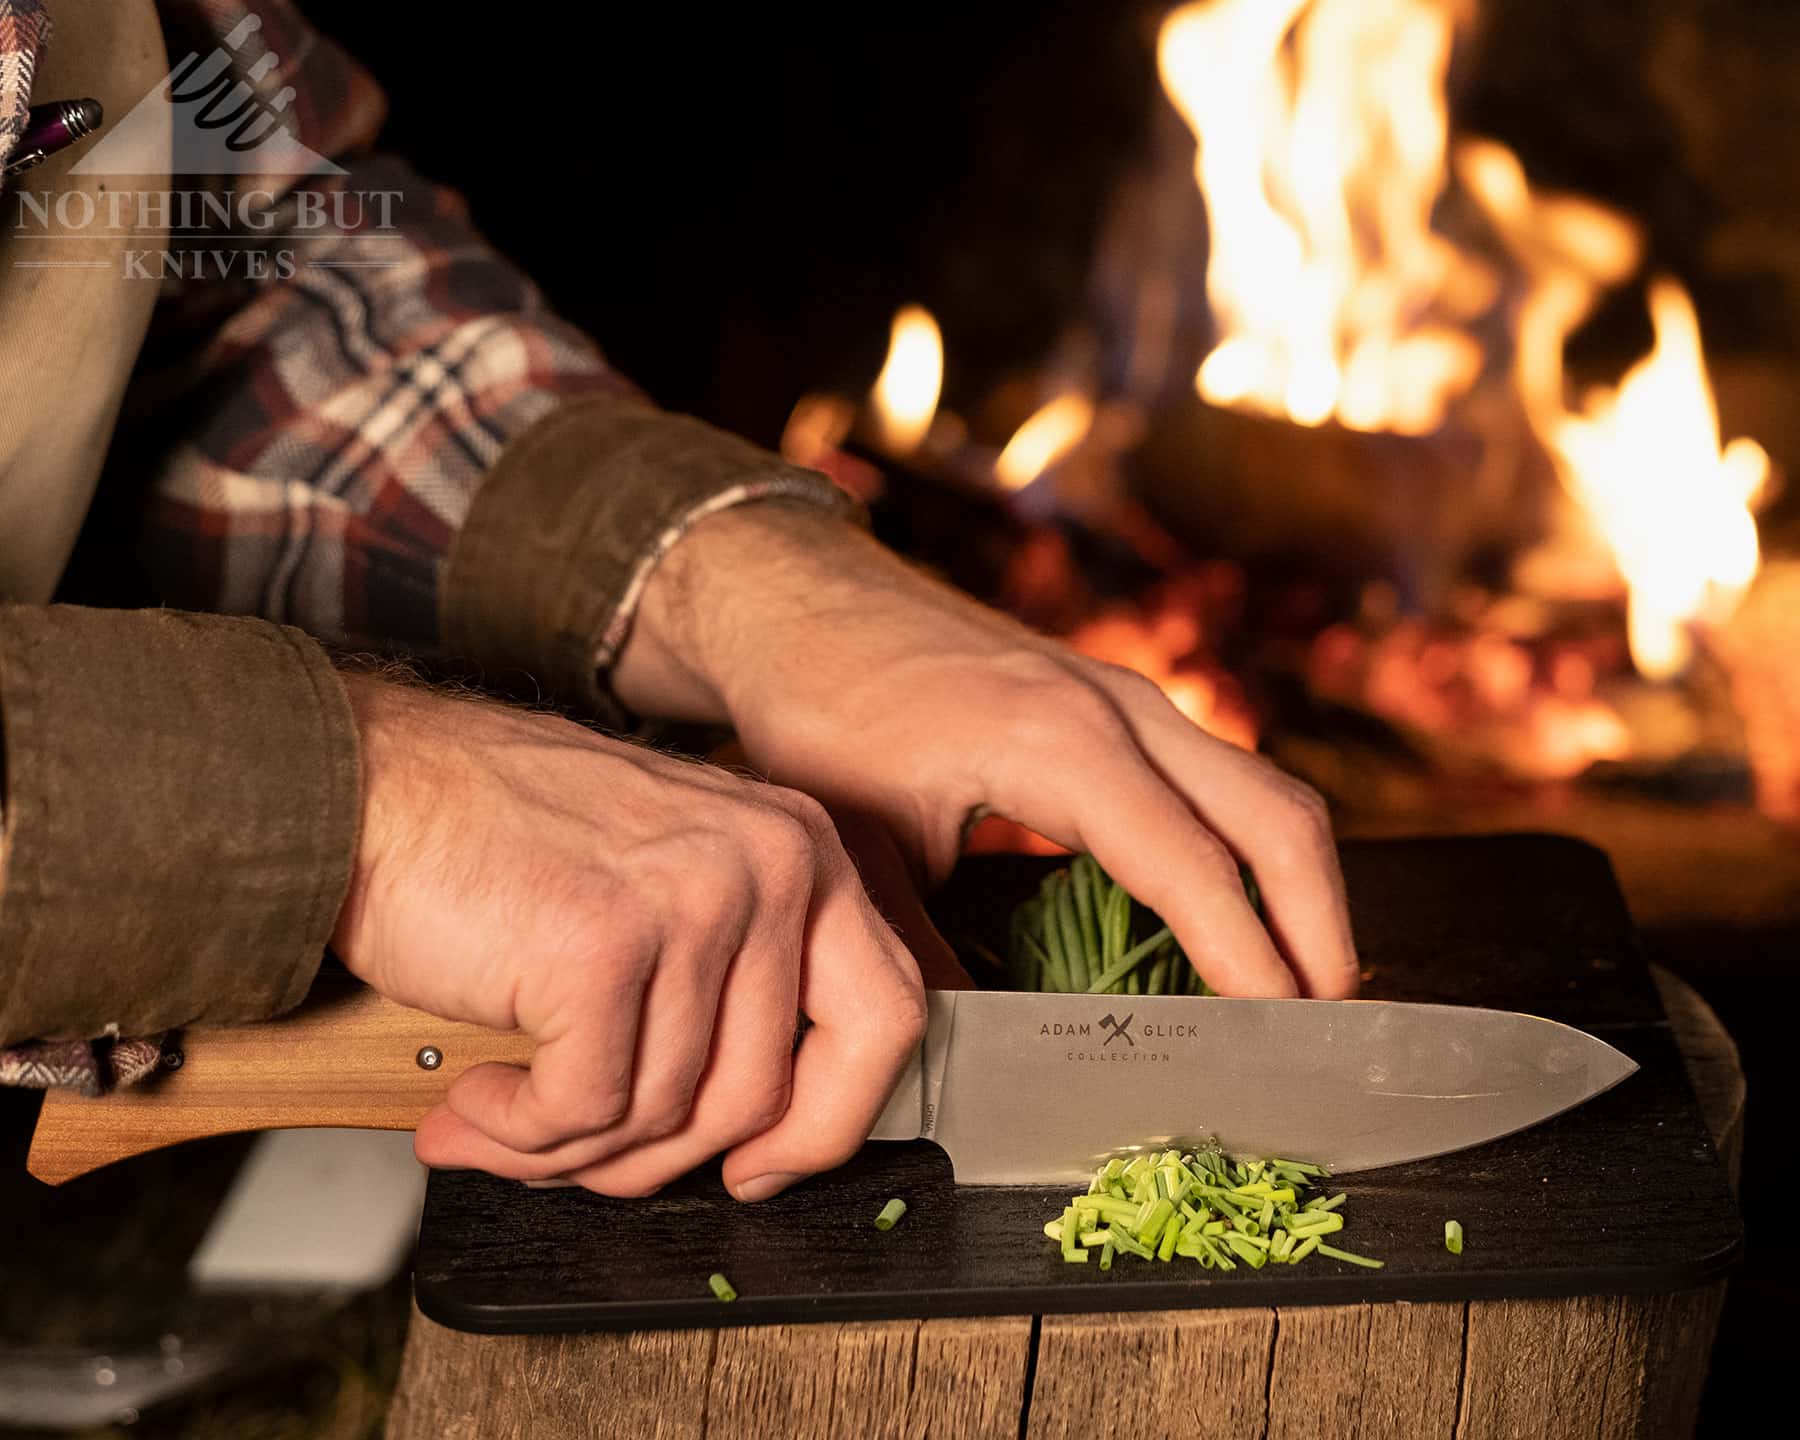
<point>1134,683</point>
<point>765,1108</point>
<point>1211,853</point>
<point>716,876</point>
<point>1090,711</point>
<point>663,1116</point>
<point>813,816</point>
<point>1302,828</point>
<point>900,1020</point>
<point>1310,806</point>
<point>607,1109</point>
<point>785,850</point>
<point>1069,713</point>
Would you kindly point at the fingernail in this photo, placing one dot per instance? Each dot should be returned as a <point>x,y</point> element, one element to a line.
<point>763,1186</point>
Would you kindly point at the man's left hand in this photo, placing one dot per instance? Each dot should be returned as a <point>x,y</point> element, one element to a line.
<point>910,711</point>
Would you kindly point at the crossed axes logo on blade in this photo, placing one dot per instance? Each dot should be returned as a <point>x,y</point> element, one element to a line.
<point>1119,1028</point>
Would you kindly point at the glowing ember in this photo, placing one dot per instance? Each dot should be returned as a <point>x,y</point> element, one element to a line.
<point>1161,636</point>
<point>1044,439</point>
<point>1675,509</point>
<point>906,391</point>
<point>1322,131</point>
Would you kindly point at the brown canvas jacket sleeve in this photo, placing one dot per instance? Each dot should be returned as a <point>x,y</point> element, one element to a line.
<point>181,810</point>
<point>565,532</point>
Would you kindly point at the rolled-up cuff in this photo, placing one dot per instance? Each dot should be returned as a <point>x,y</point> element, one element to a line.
<point>182,803</point>
<point>546,573</point>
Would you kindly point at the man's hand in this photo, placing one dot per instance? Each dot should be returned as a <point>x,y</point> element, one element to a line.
<point>657,926</point>
<point>901,703</point>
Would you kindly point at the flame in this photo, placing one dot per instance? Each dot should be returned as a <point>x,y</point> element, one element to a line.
<point>1570,251</point>
<point>1322,133</point>
<point>906,391</point>
<point>1323,142</point>
<point>1051,433</point>
<point>1675,508</point>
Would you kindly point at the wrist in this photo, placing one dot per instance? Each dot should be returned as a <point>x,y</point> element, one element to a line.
<point>389,745</point>
<point>733,588</point>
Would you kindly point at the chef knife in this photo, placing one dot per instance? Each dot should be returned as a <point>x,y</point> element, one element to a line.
<point>1017,1088</point>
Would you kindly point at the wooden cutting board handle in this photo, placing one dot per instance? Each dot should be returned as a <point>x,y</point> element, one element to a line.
<point>346,1057</point>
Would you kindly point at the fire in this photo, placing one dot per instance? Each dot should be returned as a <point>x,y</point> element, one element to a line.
<point>1323,149</point>
<point>1675,508</point>
<point>1322,133</point>
<point>1044,439</point>
<point>906,391</point>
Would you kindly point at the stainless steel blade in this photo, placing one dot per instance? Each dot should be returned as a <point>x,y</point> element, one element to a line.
<point>1038,1089</point>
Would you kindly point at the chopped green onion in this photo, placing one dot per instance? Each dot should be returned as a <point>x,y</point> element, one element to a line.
<point>1345,1255</point>
<point>1203,1207</point>
<point>1453,1236</point>
<point>721,1288</point>
<point>890,1214</point>
<point>1129,1242</point>
<point>1152,1226</point>
<point>1071,1247</point>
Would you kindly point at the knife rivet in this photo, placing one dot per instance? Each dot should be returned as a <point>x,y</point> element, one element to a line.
<point>430,1057</point>
<point>173,1059</point>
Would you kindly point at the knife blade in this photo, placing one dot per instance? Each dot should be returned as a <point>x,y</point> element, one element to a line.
<point>1025,1089</point>
<point>1017,1088</point>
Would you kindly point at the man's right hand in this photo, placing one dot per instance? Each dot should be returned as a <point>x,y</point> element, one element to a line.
<point>655,925</point>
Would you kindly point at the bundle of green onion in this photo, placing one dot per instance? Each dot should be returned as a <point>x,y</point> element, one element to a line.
<point>1082,934</point>
<point>1203,1207</point>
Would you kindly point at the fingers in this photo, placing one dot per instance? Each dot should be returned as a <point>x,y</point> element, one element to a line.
<point>574,1106</point>
<point>861,990</point>
<point>746,1086</point>
<point>580,1079</point>
<point>1076,775</point>
<point>890,883</point>
<point>708,1074</point>
<point>1267,818</point>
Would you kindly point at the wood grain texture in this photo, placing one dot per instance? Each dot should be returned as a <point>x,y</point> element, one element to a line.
<point>649,1386</point>
<point>1186,1372</point>
<point>969,1377</point>
<point>889,1380</point>
<point>347,1057</point>
<point>1365,1372</point>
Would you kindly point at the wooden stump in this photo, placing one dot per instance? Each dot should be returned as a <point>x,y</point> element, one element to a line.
<point>1629,1367</point>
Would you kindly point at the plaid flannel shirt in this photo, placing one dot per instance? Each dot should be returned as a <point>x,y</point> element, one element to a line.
<point>308,448</point>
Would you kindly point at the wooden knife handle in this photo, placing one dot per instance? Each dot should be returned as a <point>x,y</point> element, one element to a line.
<point>347,1057</point>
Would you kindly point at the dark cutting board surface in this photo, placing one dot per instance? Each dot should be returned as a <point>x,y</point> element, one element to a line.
<point>1622,1195</point>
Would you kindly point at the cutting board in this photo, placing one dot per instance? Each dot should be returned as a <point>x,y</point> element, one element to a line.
<point>1622,1195</point>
